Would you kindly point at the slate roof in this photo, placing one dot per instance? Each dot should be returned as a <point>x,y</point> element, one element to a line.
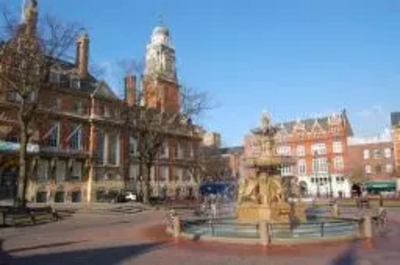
<point>309,123</point>
<point>395,119</point>
<point>209,151</point>
<point>88,85</point>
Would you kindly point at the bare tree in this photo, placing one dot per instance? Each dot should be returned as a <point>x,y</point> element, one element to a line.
<point>357,175</point>
<point>27,55</point>
<point>214,166</point>
<point>154,126</point>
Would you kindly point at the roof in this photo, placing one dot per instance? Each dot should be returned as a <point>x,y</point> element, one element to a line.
<point>310,122</point>
<point>233,149</point>
<point>88,85</point>
<point>395,119</point>
<point>104,90</point>
<point>210,151</point>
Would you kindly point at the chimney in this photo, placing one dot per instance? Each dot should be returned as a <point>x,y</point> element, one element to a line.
<point>130,90</point>
<point>30,17</point>
<point>82,55</point>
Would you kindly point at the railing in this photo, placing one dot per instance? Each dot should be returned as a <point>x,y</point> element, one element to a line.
<point>230,228</point>
<point>314,230</point>
<point>220,228</point>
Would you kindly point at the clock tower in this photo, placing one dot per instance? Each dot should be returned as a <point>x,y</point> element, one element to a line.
<point>161,89</point>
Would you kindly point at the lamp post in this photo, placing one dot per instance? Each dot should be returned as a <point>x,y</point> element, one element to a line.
<point>316,168</point>
<point>330,178</point>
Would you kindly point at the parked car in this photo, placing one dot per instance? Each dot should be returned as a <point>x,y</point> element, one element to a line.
<point>131,196</point>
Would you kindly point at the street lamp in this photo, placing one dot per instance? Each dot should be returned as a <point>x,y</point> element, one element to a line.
<point>317,182</point>
<point>330,178</point>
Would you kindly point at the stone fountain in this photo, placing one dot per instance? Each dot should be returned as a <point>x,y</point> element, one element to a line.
<point>263,193</point>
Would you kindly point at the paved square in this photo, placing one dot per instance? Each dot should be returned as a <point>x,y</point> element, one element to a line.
<point>105,238</point>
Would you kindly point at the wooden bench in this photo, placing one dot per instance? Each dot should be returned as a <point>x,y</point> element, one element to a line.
<point>30,216</point>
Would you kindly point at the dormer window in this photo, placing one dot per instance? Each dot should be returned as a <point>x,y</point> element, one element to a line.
<point>75,83</point>
<point>55,77</point>
<point>11,95</point>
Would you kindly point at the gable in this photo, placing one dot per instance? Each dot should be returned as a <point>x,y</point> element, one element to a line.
<point>104,91</point>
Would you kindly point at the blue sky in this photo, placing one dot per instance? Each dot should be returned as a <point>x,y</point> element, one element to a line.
<point>294,58</point>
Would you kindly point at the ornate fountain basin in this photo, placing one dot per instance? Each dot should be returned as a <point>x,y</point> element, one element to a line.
<point>229,230</point>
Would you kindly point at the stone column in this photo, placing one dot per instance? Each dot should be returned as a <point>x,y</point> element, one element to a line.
<point>264,233</point>
<point>368,228</point>
<point>176,227</point>
<point>335,210</point>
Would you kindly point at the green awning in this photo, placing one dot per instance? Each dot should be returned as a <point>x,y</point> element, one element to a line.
<point>380,185</point>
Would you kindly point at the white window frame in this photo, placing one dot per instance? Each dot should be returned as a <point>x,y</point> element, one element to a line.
<point>76,143</point>
<point>286,170</point>
<point>74,82</point>
<point>133,146</point>
<point>302,167</point>
<point>164,173</point>
<point>368,169</point>
<point>388,152</point>
<point>134,172</point>
<point>301,151</point>
<point>337,147</point>
<point>338,163</point>
<point>389,168</point>
<point>61,167</point>
<point>116,159</point>
<point>320,165</point>
<point>284,150</point>
<point>76,172</point>
<point>164,150</point>
<point>319,149</point>
<point>43,170</point>
<point>55,77</point>
<point>179,174</point>
<point>366,154</point>
<point>56,130</point>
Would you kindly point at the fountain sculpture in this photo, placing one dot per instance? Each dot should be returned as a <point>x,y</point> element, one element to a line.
<point>263,195</point>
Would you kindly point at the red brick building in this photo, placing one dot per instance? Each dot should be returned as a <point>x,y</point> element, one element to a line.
<point>85,147</point>
<point>372,163</point>
<point>319,147</point>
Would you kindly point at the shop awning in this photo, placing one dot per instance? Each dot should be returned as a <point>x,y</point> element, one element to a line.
<point>380,185</point>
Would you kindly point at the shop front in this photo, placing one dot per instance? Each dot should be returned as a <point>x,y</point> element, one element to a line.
<point>381,187</point>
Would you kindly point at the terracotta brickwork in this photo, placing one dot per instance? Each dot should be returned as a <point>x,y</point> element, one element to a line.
<point>318,147</point>
<point>85,145</point>
<point>374,160</point>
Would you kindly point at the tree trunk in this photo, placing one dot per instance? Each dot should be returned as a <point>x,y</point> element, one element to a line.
<point>22,178</point>
<point>146,184</point>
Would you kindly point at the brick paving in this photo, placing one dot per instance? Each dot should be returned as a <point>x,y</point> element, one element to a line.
<point>140,239</point>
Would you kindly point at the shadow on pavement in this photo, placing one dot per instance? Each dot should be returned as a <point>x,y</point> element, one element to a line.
<point>106,256</point>
<point>349,257</point>
<point>54,245</point>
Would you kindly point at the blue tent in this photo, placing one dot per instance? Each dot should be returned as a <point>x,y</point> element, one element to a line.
<point>216,188</point>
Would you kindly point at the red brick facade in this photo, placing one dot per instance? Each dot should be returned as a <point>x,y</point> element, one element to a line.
<point>319,147</point>
<point>85,144</point>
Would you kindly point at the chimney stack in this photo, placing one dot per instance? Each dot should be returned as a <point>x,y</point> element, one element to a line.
<point>30,17</point>
<point>130,90</point>
<point>82,55</point>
